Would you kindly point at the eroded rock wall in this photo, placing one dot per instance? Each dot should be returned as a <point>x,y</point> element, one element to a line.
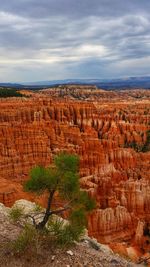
<point>33,130</point>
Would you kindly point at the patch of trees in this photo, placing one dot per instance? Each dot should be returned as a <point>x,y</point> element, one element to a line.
<point>9,92</point>
<point>146,146</point>
<point>140,148</point>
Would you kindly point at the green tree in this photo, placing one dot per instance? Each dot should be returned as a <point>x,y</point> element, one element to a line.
<point>146,146</point>
<point>61,177</point>
<point>9,92</point>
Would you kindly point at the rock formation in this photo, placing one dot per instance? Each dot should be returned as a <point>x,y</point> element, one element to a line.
<point>108,131</point>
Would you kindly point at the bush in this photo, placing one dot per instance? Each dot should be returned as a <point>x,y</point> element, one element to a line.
<point>38,208</point>
<point>25,239</point>
<point>64,233</point>
<point>16,213</point>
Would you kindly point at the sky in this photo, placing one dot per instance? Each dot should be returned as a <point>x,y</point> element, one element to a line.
<point>67,39</point>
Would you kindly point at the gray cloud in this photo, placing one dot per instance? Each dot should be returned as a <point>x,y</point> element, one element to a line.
<point>78,8</point>
<point>73,39</point>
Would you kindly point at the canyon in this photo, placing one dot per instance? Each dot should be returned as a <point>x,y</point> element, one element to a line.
<point>109,130</point>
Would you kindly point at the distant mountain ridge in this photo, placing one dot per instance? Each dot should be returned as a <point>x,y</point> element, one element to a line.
<point>15,85</point>
<point>120,83</point>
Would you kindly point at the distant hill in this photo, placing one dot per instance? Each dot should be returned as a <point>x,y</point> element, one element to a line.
<point>108,84</point>
<point>131,82</point>
<point>15,85</point>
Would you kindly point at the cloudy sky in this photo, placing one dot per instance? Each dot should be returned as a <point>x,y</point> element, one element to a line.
<point>59,39</point>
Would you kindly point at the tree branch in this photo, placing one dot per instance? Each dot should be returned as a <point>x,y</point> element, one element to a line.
<point>66,207</point>
<point>33,219</point>
<point>59,211</point>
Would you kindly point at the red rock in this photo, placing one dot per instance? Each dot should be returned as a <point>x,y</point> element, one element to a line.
<point>33,130</point>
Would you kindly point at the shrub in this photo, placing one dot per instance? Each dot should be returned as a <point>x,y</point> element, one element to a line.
<point>64,233</point>
<point>37,208</point>
<point>25,239</point>
<point>16,213</point>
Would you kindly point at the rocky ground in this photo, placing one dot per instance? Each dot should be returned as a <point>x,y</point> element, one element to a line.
<point>86,253</point>
<point>79,256</point>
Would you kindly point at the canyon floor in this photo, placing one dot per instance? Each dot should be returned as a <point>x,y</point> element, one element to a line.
<point>109,130</point>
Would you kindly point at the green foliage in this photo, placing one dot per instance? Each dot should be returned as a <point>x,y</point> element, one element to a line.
<point>41,179</point>
<point>140,148</point>
<point>78,217</point>
<point>25,239</point>
<point>85,201</point>
<point>147,231</point>
<point>37,181</point>
<point>67,162</point>
<point>58,233</point>
<point>68,234</point>
<point>146,146</point>
<point>63,233</point>
<point>63,178</point>
<point>68,185</point>
<point>7,92</point>
<point>133,145</point>
<point>15,214</point>
<point>37,208</point>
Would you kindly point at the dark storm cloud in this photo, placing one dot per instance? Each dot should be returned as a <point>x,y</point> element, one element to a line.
<point>72,38</point>
<point>71,8</point>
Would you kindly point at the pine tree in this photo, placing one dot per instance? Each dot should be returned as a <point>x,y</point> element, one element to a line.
<point>61,177</point>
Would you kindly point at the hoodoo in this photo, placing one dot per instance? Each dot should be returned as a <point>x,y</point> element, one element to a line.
<point>110,133</point>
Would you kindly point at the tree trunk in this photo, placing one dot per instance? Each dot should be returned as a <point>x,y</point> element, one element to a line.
<point>42,224</point>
